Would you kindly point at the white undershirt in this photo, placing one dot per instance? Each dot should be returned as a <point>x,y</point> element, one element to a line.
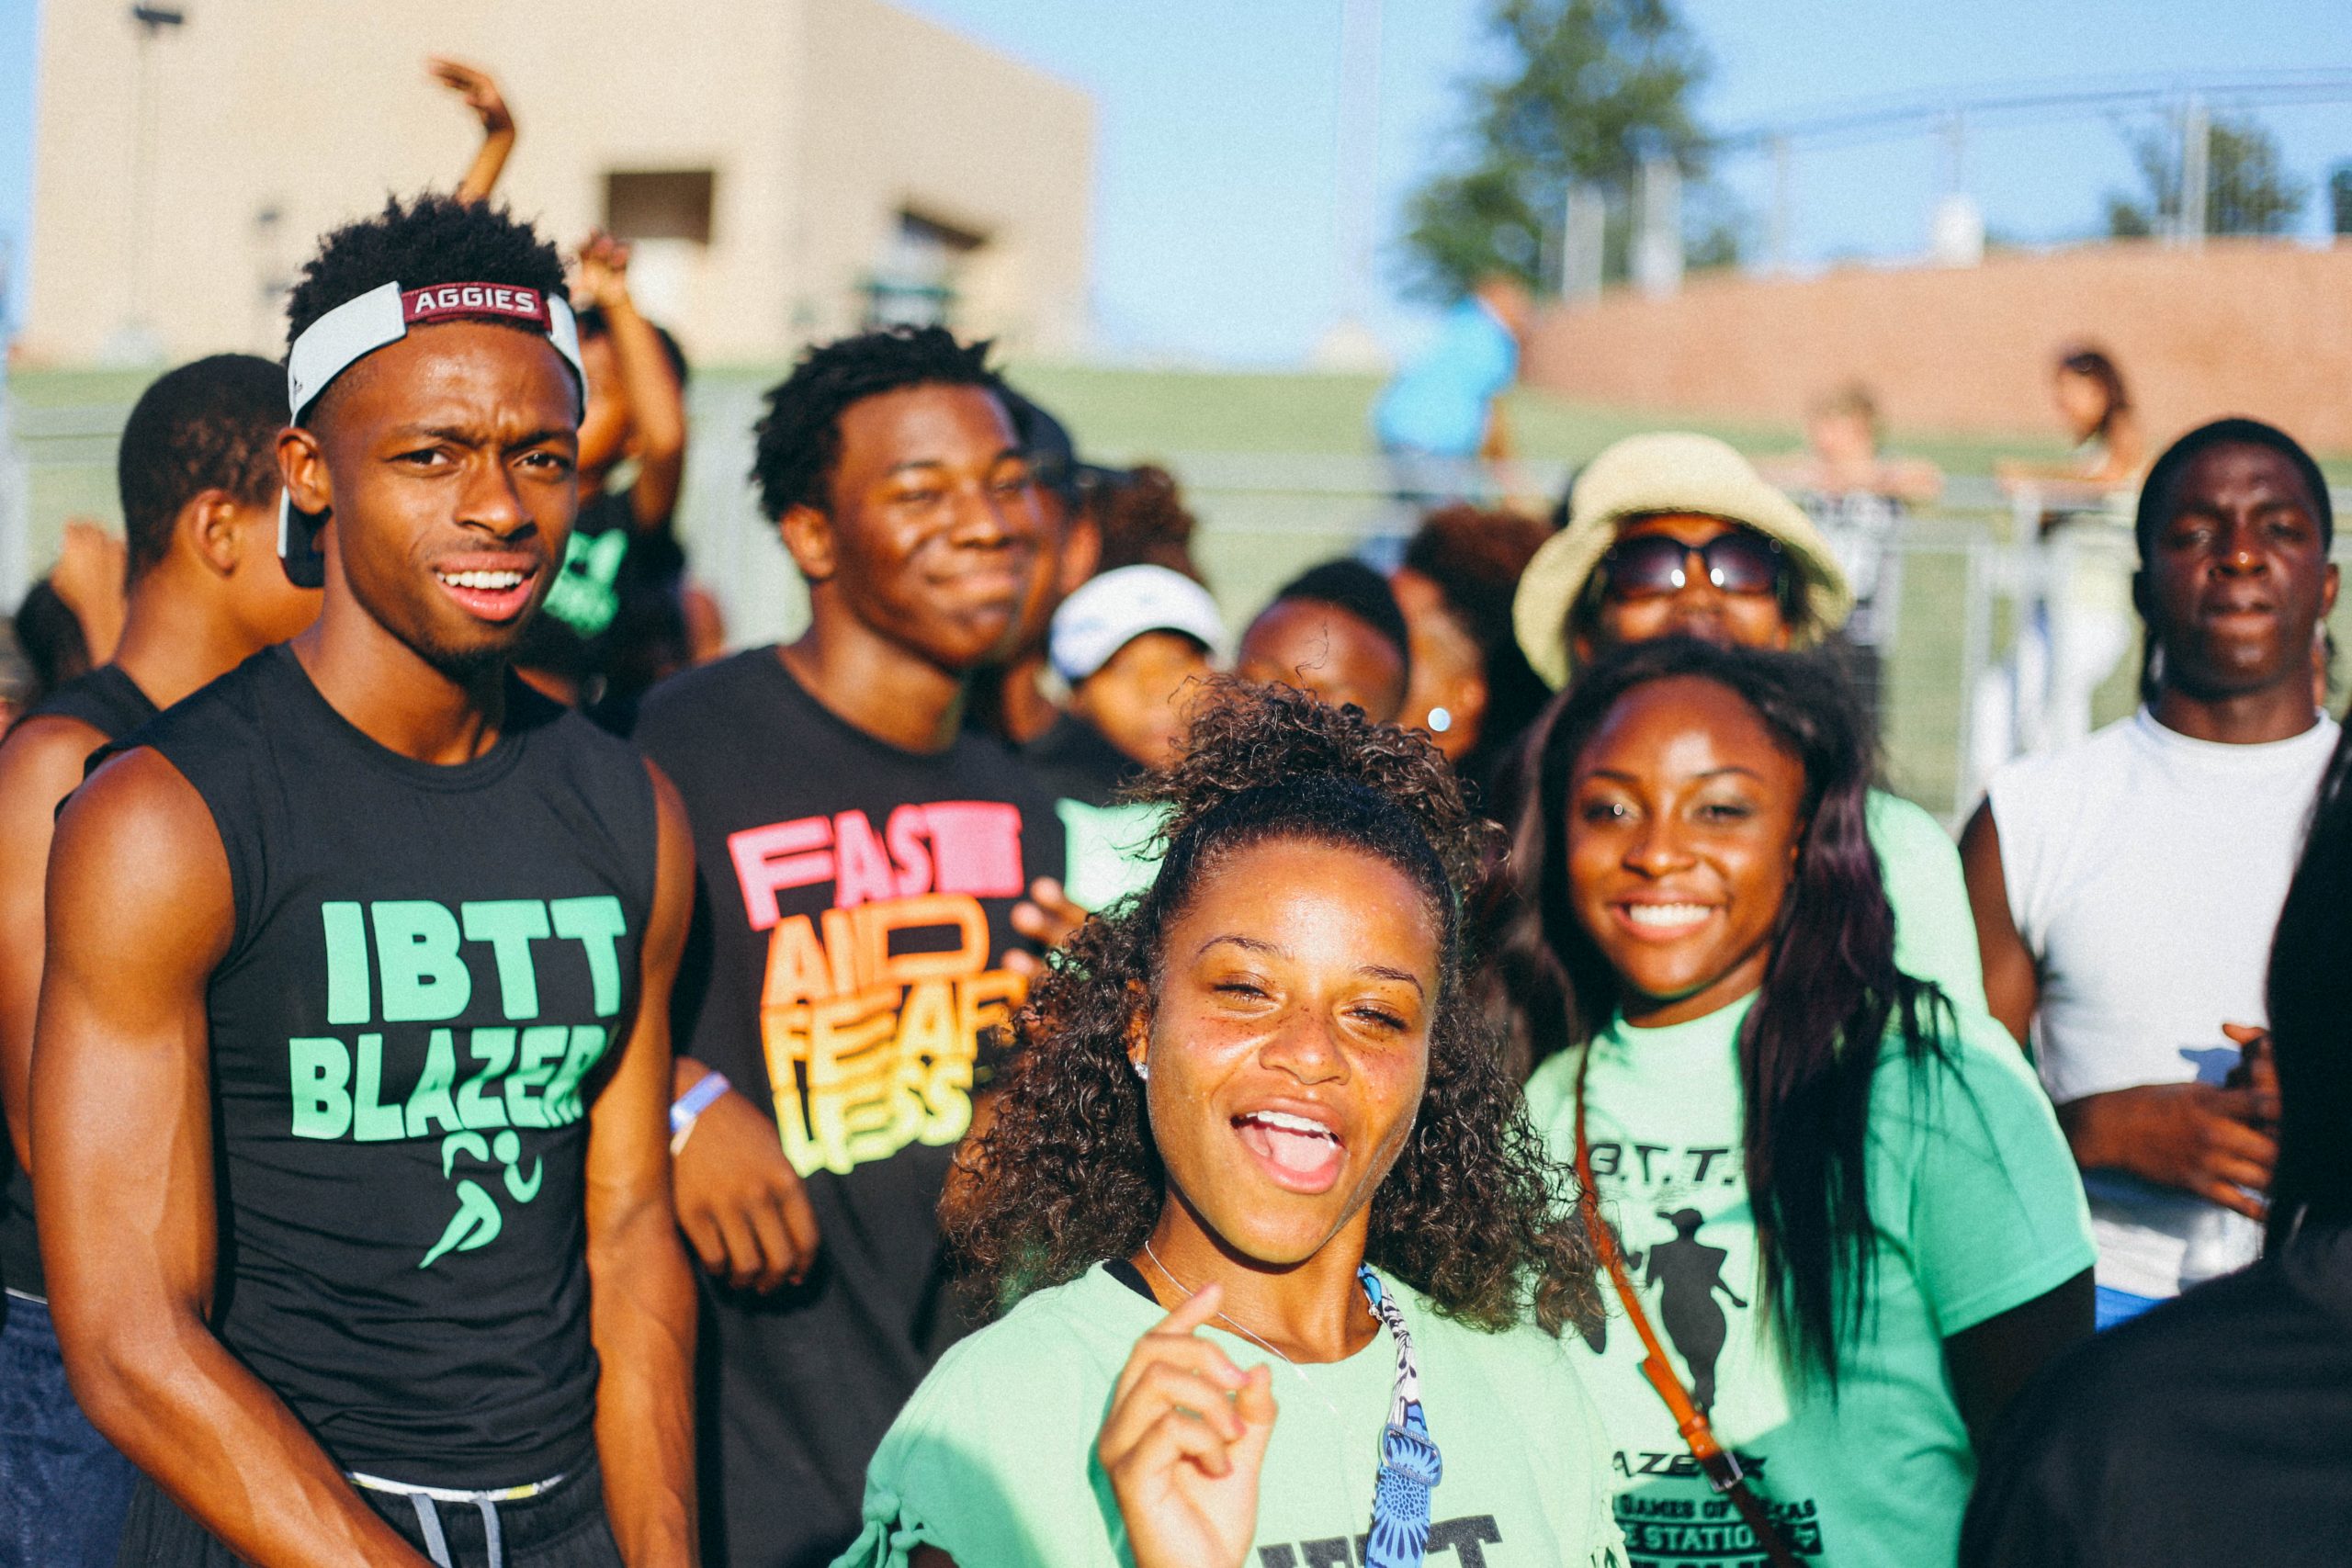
<point>2145,871</point>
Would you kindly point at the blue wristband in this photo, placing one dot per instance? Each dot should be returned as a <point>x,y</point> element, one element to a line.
<point>695,1101</point>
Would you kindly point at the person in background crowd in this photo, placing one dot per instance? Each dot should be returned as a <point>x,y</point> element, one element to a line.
<point>622,547</point>
<point>2124,888</point>
<point>1334,630</point>
<point>1844,1201</point>
<point>1675,535</point>
<point>1129,644</point>
<point>479,92</point>
<point>1133,645</point>
<point>1255,1151</point>
<point>48,634</point>
<point>1857,497</point>
<point>861,852</point>
<point>353,1044</point>
<point>2218,1427</point>
<point>1008,700</point>
<point>1444,411</point>
<point>1140,514</point>
<point>1471,691</point>
<point>2110,449</point>
<point>196,472</point>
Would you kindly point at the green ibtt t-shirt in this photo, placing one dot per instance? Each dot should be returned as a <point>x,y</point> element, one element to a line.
<point>993,1462</point>
<point>1934,933</point>
<point>1978,1209</point>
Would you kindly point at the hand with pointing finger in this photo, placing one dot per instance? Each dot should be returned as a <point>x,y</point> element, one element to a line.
<point>1184,1442</point>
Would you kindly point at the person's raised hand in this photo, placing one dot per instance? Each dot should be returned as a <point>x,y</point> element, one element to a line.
<point>740,1203</point>
<point>1184,1442</point>
<point>2197,1137</point>
<point>1046,918</point>
<point>603,268</point>
<point>478,91</point>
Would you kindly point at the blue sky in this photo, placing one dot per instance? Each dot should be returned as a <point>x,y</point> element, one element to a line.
<point>1217,219</point>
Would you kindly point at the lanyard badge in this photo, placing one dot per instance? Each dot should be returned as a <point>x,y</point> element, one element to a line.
<point>1409,1464</point>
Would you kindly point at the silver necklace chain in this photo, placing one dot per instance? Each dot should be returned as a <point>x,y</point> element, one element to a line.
<point>1243,1329</point>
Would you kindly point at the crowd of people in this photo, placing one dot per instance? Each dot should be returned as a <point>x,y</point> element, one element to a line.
<point>1470,1068</point>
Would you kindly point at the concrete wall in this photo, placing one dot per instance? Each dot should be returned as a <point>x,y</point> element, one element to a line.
<point>2236,327</point>
<point>316,112</point>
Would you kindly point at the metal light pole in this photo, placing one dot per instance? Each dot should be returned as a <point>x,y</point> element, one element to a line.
<point>2196,170</point>
<point>135,340</point>
<point>1350,343</point>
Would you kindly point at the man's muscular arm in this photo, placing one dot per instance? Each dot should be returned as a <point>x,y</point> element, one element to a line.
<point>38,767</point>
<point>139,912</point>
<point>641,1291</point>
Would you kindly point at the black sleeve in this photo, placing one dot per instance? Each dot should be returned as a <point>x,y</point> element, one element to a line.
<point>2033,1499</point>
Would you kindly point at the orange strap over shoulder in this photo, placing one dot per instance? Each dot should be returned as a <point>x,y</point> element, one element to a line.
<point>1719,1466</point>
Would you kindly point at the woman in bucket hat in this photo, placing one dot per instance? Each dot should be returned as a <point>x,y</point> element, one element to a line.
<point>1672,534</point>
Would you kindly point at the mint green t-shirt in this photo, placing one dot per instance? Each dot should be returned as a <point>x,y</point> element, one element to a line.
<point>992,1461</point>
<point>1935,931</point>
<point>1977,1208</point>
<point>1114,850</point>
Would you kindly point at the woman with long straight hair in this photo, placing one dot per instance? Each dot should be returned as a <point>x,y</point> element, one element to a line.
<point>1839,1219</point>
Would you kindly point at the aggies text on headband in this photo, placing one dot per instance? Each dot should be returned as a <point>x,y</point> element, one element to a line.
<point>358,328</point>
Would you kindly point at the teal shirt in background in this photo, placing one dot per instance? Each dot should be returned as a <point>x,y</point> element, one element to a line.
<point>1976,1206</point>
<point>992,1461</point>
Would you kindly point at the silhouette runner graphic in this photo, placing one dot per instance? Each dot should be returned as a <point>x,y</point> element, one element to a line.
<point>1689,1273</point>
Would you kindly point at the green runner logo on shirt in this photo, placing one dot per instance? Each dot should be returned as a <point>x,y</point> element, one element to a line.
<point>519,1075</point>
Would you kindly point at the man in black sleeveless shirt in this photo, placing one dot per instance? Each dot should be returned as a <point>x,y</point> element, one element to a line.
<point>196,472</point>
<point>353,1050</point>
<point>861,854</point>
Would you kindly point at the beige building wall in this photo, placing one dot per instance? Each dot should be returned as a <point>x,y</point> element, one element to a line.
<point>820,120</point>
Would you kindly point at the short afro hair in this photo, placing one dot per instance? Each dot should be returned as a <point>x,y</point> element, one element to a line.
<point>212,424</point>
<point>799,438</point>
<point>429,241</point>
<point>1348,584</point>
<point>2159,494</point>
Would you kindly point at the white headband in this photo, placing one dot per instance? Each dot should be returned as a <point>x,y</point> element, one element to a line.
<point>358,328</point>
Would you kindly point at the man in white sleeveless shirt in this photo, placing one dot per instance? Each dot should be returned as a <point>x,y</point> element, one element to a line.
<point>2125,888</point>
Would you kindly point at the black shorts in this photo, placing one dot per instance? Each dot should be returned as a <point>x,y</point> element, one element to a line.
<point>564,1529</point>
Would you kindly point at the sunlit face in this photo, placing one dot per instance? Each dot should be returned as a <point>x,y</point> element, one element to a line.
<point>447,461</point>
<point>1325,650</point>
<point>1446,694</point>
<point>1288,1043</point>
<point>1699,609</point>
<point>1140,699</point>
<point>2237,579</point>
<point>1683,818</point>
<point>935,527</point>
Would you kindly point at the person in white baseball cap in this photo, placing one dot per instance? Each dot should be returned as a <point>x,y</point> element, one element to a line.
<point>1675,535</point>
<point>1129,643</point>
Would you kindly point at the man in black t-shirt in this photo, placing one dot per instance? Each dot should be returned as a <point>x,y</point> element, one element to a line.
<point>860,853</point>
<point>198,478</point>
<point>352,1043</point>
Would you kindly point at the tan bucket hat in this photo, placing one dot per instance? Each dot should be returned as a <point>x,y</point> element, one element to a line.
<point>1669,471</point>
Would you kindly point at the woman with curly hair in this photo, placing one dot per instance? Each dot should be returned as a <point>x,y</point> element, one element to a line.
<point>1257,1156</point>
<point>1839,1214</point>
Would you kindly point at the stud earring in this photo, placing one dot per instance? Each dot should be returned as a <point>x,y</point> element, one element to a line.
<point>1143,1070</point>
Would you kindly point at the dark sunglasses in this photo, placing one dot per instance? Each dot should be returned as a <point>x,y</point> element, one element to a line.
<point>1651,566</point>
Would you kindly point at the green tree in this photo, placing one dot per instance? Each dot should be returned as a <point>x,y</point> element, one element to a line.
<point>2247,191</point>
<point>1595,85</point>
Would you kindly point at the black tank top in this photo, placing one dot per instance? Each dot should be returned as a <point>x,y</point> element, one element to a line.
<point>429,966</point>
<point>111,703</point>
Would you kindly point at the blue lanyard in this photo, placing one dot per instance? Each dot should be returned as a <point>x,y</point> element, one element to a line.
<point>1410,1465</point>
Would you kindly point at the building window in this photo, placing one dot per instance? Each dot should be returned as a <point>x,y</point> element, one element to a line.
<point>658,204</point>
<point>914,284</point>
